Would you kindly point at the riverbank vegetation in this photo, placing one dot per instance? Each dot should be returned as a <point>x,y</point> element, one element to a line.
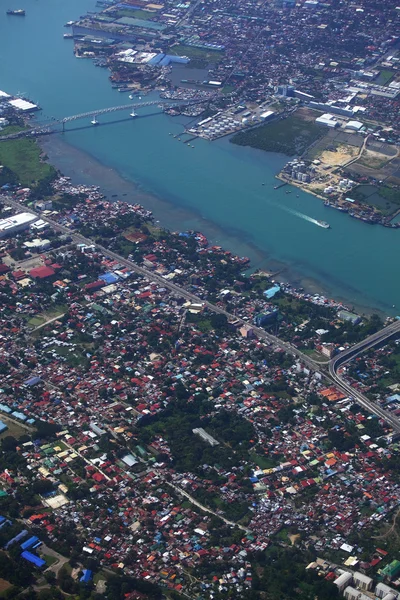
<point>289,136</point>
<point>22,160</point>
<point>384,198</point>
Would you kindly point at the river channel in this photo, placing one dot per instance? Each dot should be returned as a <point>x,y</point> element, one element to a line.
<point>224,190</point>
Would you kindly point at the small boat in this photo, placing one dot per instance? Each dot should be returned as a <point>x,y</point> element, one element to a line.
<point>94,121</point>
<point>323,224</point>
<point>68,36</point>
<point>18,13</point>
<point>133,114</point>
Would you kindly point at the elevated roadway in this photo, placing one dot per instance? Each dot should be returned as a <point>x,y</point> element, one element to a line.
<point>48,128</point>
<point>380,337</point>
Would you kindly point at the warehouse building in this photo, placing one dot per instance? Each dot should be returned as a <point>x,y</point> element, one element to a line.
<point>32,558</point>
<point>16,223</point>
<point>328,120</point>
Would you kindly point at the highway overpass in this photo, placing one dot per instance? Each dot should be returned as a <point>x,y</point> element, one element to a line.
<point>380,337</point>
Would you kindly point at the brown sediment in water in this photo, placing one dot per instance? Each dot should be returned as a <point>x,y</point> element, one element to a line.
<point>84,169</point>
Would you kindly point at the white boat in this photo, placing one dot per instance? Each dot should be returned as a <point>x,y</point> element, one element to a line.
<point>323,224</point>
<point>133,114</point>
<point>94,121</point>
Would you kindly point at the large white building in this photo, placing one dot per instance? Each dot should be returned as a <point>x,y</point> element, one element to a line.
<point>382,591</point>
<point>362,581</point>
<point>16,223</point>
<point>344,580</point>
<point>328,120</point>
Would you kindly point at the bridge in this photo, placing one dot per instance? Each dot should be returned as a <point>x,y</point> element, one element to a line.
<point>49,128</point>
<point>103,111</point>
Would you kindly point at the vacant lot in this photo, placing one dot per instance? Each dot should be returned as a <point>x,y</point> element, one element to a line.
<point>14,429</point>
<point>339,156</point>
<point>199,57</point>
<point>144,15</point>
<point>373,160</point>
<point>23,157</point>
<point>41,318</point>
<point>289,136</point>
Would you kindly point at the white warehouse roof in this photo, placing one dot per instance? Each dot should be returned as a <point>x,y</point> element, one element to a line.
<point>22,104</point>
<point>16,223</point>
<point>327,119</point>
<point>354,125</point>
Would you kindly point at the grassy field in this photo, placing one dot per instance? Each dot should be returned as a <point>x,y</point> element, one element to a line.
<point>37,320</point>
<point>263,461</point>
<point>290,136</point>
<point>197,55</point>
<point>384,77</point>
<point>14,429</point>
<point>50,560</point>
<point>23,158</point>
<point>144,15</point>
<point>11,129</point>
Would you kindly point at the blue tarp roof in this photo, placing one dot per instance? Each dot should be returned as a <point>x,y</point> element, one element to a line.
<point>270,293</point>
<point>38,562</point>
<point>87,575</point>
<point>109,278</point>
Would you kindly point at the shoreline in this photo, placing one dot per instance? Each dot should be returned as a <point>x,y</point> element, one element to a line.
<point>83,168</point>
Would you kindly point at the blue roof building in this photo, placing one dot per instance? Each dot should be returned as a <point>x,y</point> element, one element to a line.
<point>30,542</point>
<point>32,558</point>
<point>109,278</point>
<point>270,293</point>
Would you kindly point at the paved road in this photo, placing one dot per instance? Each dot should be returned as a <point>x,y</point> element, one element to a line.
<point>343,358</point>
<point>205,508</point>
<point>319,366</point>
<point>48,322</point>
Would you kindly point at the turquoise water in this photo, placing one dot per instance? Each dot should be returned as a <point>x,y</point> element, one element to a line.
<point>218,181</point>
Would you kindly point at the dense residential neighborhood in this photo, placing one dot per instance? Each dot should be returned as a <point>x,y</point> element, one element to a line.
<point>147,435</point>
